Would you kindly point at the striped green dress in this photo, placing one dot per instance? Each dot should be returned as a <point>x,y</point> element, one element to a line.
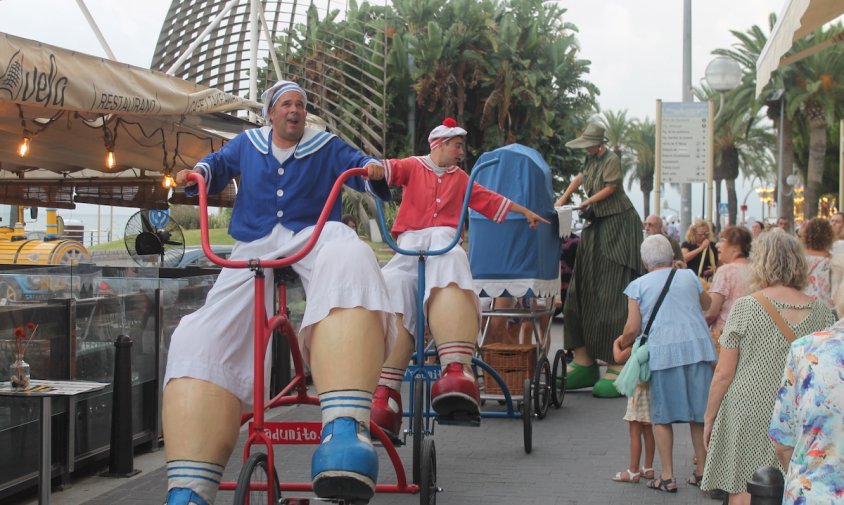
<point>607,259</point>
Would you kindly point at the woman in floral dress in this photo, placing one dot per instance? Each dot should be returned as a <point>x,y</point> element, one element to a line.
<point>808,422</point>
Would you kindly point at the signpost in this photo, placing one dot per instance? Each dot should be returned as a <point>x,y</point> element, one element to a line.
<point>683,131</point>
<point>684,145</point>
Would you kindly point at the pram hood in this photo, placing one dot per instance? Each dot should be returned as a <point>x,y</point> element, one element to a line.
<point>511,258</point>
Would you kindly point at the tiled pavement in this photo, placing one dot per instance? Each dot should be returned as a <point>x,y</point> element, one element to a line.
<point>575,451</point>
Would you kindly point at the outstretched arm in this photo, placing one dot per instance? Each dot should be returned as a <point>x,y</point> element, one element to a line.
<point>532,218</point>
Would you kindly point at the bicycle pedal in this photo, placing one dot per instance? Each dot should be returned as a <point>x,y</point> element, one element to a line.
<point>396,442</point>
<point>460,419</point>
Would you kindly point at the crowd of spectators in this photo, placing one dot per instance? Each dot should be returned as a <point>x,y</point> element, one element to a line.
<point>766,389</point>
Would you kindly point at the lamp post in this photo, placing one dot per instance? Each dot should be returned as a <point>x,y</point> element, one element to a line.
<point>722,74</point>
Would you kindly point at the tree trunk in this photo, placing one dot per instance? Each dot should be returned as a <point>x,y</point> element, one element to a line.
<point>787,210</point>
<point>717,203</point>
<point>817,151</point>
<point>646,195</point>
<point>732,201</point>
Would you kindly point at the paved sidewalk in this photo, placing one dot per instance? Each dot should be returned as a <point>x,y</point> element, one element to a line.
<point>576,450</point>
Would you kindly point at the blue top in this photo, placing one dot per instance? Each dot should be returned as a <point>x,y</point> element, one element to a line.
<point>679,335</point>
<point>292,193</point>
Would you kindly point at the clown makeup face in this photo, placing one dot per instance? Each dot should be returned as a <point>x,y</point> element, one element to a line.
<point>452,151</point>
<point>288,119</point>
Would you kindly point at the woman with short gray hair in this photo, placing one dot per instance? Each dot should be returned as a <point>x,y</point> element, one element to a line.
<point>754,346</point>
<point>681,351</point>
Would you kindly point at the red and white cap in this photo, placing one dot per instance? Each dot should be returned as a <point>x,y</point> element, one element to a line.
<point>444,132</point>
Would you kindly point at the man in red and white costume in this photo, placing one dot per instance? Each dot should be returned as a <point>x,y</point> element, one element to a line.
<point>434,188</point>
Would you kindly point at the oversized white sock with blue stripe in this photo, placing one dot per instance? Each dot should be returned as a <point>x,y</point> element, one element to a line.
<point>353,403</point>
<point>200,477</point>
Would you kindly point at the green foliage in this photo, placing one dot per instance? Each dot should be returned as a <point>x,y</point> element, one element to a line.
<point>186,215</point>
<point>507,70</point>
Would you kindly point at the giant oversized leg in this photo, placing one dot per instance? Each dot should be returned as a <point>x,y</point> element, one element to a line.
<point>347,349</point>
<point>453,319</point>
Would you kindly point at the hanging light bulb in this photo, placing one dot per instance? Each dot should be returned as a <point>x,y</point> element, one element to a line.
<point>23,148</point>
<point>168,181</point>
<point>110,161</point>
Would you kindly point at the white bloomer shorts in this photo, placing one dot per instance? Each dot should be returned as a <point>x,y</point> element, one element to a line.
<point>215,343</point>
<point>401,273</point>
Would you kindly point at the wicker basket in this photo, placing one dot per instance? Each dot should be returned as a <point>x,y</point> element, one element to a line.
<point>513,362</point>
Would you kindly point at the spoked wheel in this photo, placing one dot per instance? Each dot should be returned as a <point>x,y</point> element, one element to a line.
<point>254,485</point>
<point>428,475</point>
<point>558,379</point>
<point>542,388</point>
<point>418,431</point>
<point>527,417</point>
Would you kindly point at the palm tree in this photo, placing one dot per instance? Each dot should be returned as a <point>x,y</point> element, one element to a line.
<point>617,127</point>
<point>642,141</point>
<point>742,142</point>
<point>814,88</point>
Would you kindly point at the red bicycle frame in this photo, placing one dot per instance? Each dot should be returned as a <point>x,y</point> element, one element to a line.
<point>296,392</point>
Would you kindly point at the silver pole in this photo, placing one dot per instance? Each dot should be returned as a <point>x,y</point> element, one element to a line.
<point>253,52</point>
<point>780,166</point>
<point>686,188</point>
<point>95,28</point>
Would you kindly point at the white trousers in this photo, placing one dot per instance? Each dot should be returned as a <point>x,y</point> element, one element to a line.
<point>215,343</point>
<point>401,273</point>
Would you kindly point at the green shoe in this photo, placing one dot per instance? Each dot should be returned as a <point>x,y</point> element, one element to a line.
<point>580,376</point>
<point>605,388</point>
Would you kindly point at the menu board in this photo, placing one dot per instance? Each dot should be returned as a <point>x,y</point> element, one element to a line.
<point>684,133</point>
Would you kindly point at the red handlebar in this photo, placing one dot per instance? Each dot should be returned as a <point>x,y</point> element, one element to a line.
<point>277,263</point>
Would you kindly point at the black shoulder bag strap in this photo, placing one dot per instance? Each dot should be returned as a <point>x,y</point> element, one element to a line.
<point>656,307</point>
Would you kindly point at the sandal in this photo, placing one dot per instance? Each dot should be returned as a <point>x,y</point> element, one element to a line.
<point>648,473</point>
<point>664,485</point>
<point>694,480</point>
<point>627,476</point>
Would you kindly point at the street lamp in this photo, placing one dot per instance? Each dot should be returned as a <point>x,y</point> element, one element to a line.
<point>723,74</point>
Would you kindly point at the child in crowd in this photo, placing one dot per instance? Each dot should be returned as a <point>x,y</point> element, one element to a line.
<point>434,188</point>
<point>638,416</point>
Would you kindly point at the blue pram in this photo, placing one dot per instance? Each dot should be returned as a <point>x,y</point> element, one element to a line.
<point>512,261</point>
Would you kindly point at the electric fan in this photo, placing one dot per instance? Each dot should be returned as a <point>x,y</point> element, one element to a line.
<point>154,232</point>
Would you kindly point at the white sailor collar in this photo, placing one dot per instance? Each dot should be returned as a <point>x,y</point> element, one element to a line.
<point>429,164</point>
<point>312,141</point>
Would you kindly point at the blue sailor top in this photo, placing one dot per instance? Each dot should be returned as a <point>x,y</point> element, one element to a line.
<point>292,193</point>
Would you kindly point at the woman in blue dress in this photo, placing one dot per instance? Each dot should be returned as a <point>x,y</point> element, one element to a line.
<point>681,352</point>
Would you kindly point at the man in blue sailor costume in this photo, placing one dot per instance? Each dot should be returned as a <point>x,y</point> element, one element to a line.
<point>286,172</point>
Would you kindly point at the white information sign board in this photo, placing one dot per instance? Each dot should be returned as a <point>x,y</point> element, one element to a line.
<point>684,132</point>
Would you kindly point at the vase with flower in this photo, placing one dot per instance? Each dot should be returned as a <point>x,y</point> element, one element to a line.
<point>19,369</point>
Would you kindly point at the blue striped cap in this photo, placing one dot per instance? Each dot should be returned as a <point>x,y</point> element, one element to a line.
<point>272,94</point>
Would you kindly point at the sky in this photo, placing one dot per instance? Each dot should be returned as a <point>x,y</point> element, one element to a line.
<point>635,47</point>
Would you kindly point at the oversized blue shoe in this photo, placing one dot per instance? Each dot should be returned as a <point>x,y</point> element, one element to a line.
<point>345,465</point>
<point>184,496</point>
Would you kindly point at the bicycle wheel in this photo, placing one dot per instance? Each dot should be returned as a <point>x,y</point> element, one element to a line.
<point>527,418</point>
<point>542,388</point>
<point>418,407</point>
<point>428,476</point>
<point>558,379</point>
<point>254,486</point>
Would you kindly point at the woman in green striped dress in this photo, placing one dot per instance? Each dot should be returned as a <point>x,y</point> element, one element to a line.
<point>608,258</point>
